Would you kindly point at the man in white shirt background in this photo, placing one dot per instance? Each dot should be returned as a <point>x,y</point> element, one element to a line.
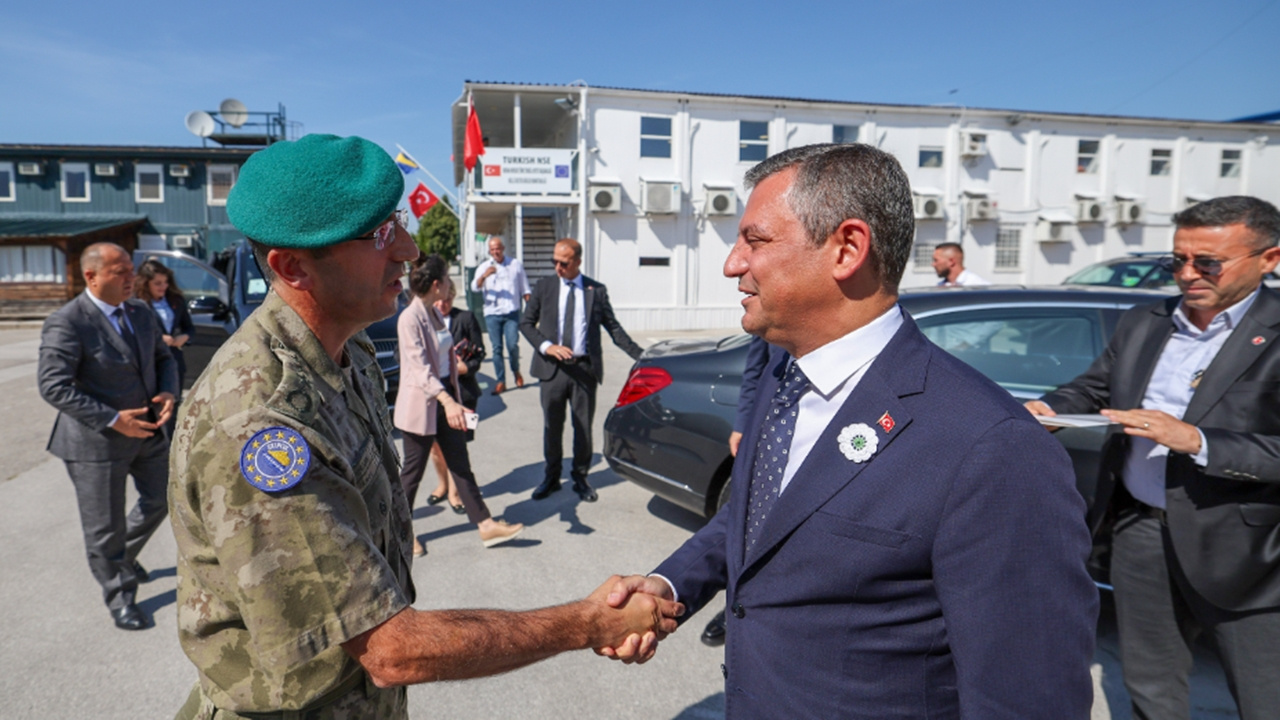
<point>503,283</point>
<point>948,262</point>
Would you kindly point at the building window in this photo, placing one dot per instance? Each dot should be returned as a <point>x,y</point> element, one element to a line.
<point>6,182</point>
<point>930,157</point>
<point>841,134</point>
<point>221,179</point>
<point>1161,161</point>
<point>1230,164</point>
<point>655,137</point>
<point>75,182</point>
<point>923,259</point>
<point>1008,248</point>
<point>1087,157</point>
<point>32,264</point>
<point>148,186</point>
<point>753,141</point>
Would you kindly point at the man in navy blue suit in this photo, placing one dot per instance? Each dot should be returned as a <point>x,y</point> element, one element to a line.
<point>904,540</point>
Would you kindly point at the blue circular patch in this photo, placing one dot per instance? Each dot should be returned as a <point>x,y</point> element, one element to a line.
<point>275,459</point>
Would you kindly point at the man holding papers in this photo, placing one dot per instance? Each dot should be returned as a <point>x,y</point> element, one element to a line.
<point>1193,385</point>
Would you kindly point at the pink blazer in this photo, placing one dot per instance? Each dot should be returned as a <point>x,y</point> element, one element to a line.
<point>420,379</point>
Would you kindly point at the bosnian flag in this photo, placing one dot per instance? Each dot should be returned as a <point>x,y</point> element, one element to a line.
<point>421,200</point>
<point>405,163</point>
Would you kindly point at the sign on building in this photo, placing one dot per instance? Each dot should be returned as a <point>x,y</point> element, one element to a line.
<point>526,170</point>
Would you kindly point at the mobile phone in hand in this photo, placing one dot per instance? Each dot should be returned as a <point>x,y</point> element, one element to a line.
<point>473,419</point>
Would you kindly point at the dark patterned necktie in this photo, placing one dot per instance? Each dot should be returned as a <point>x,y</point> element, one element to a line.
<point>772,450</point>
<point>127,334</point>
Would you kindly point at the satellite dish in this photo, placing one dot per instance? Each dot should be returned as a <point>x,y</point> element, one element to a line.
<point>200,123</point>
<point>233,112</point>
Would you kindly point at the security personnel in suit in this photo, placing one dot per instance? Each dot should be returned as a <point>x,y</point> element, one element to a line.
<point>903,540</point>
<point>562,321</point>
<point>1193,385</point>
<point>105,367</point>
<point>294,535</point>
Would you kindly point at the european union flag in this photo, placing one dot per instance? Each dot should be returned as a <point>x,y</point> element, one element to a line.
<point>562,171</point>
<point>405,164</point>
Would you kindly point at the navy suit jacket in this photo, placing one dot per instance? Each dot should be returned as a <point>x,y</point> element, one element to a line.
<point>942,578</point>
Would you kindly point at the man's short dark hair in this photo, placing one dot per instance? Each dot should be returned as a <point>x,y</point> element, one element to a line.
<point>837,182</point>
<point>1260,216</point>
<point>953,246</point>
<point>260,255</point>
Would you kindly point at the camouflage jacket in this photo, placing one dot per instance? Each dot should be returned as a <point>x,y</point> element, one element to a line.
<point>271,581</point>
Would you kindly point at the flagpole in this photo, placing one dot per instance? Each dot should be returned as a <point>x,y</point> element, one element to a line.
<point>433,177</point>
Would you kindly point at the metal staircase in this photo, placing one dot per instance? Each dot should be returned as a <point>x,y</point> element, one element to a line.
<point>539,243</point>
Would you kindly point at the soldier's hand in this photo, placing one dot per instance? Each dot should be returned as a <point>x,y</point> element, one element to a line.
<point>133,423</point>
<point>645,600</point>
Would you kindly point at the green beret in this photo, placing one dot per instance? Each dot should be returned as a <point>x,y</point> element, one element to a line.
<point>314,192</point>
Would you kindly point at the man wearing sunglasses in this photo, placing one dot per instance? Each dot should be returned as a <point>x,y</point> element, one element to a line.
<point>293,532</point>
<point>1192,385</point>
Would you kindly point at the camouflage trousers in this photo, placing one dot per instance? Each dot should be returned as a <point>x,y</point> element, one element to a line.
<point>354,699</point>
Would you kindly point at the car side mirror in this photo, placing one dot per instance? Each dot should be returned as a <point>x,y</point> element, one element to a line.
<point>209,305</point>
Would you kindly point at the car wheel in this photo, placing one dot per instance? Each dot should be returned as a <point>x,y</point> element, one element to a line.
<point>722,497</point>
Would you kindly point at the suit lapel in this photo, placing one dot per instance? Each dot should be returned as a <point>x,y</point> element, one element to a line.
<point>1237,354</point>
<point>898,371</point>
<point>1150,345</point>
<point>99,320</point>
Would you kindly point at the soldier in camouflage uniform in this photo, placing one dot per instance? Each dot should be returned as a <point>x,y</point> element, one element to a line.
<point>293,534</point>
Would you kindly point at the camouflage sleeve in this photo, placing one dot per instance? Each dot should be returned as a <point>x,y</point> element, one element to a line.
<point>301,565</point>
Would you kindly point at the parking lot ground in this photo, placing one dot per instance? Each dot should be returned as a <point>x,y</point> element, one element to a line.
<point>64,659</point>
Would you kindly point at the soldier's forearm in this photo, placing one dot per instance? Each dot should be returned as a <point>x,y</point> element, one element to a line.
<point>428,646</point>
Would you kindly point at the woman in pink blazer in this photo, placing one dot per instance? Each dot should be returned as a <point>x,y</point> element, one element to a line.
<point>427,408</point>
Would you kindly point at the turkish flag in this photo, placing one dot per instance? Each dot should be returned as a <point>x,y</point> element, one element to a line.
<point>421,200</point>
<point>493,171</point>
<point>473,142</point>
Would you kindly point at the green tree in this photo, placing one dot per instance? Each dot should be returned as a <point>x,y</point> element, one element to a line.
<point>438,231</point>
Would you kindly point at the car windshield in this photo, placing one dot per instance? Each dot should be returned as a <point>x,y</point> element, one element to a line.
<point>1127,273</point>
<point>255,288</point>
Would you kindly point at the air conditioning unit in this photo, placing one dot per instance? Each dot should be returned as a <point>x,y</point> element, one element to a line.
<point>184,242</point>
<point>1048,231</point>
<point>1129,212</point>
<point>179,171</point>
<point>1089,210</point>
<point>659,197</point>
<point>973,144</point>
<point>105,169</point>
<point>930,207</point>
<point>605,198</point>
<point>30,168</point>
<point>980,209</point>
<point>720,200</point>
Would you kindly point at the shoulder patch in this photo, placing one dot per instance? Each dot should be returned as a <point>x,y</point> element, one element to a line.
<point>275,459</point>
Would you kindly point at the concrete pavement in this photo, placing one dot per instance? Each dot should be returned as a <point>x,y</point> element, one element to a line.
<point>64,659</point>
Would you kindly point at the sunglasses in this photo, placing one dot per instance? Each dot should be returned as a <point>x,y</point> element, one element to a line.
<point>385,234</point>
<point>1209,267</point>
<point>563,263</point>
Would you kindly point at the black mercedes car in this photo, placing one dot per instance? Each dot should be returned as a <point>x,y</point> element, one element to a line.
<point>222,294</point>
<point>670,428</point>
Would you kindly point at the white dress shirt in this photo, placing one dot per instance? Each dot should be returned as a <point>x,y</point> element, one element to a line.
<point>966,277</point>
<point>109,310</point>
<point>1182,362</point>
<point>505,288</point>
<point>577,343</point>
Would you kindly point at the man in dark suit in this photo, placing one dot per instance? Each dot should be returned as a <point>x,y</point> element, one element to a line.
<point>1193,385</point>
<point>903,540</point>
<point>562,321</point>
<point>105,367</point>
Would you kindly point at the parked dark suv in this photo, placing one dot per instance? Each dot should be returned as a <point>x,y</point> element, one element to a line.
<point>222,294</point>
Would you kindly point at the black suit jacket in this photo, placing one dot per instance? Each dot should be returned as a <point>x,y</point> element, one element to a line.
<point>463,326</point>
<point>1224,519</point>
<point>88,372</point>
<point>541,323</point>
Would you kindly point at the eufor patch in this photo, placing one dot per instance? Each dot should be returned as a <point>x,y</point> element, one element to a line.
<point>275,459</point>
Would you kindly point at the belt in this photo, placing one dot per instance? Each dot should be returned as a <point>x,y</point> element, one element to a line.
<point>577,359</point>
<point>1154,513</point>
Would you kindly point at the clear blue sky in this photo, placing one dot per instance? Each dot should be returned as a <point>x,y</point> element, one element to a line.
<point>125,73</point>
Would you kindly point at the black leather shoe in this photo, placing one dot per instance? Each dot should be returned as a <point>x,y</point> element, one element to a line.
<point>141,572</point>
<point>546,488</point>
<point>584,491</point>
<point>129,617</point>
<point>713,635</point>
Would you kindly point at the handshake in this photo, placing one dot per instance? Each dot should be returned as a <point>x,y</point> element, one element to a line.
<point>636,612</point>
